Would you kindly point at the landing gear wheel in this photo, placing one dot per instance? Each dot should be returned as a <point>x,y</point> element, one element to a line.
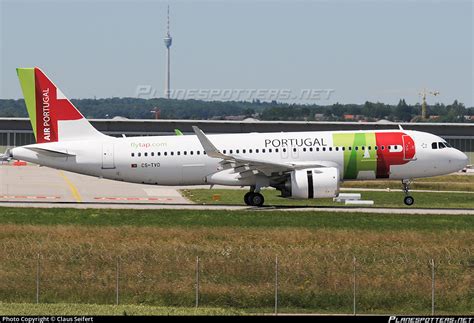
<point>257,199</point>
<point>409,200</point>
<point>247,198</point>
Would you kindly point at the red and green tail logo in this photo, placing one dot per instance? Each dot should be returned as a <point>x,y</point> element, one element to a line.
<point>46,104</point>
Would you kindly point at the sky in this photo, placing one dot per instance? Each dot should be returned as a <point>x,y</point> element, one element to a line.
<point>320,52</point>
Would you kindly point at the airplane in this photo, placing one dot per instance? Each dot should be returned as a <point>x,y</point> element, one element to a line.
<point>301,165</point>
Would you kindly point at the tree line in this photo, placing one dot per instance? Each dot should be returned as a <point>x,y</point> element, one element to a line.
<point>135,108</point>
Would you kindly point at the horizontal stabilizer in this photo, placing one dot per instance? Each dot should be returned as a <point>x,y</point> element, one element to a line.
<point>51,152</point>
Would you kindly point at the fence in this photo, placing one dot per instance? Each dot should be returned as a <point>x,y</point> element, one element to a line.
<point>352,286</point>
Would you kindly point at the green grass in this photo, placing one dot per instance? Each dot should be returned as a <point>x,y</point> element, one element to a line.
<point>381,199</point>
<point>439,183</point>
<point>261,218</point>
<point>95,309</point>
<point>158,248</point>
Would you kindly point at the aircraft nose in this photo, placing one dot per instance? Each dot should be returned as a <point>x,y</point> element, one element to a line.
<point>459,159</point>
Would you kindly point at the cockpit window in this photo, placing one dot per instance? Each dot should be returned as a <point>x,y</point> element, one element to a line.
<point>434,145</point>
<point>441,145</point>
<point>448,145</point>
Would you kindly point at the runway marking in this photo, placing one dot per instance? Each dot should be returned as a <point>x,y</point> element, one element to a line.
<point>30,197</point>
<point>132,199</point>
<point>72,187</point>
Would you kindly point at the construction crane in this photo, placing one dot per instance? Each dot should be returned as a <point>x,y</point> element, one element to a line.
<point>423,95</point>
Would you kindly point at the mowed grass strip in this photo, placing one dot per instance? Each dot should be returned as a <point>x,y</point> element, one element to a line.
<point>157,267</point>
<point>29,309</point>
<point>253,218</point>
<point>457,182</point>
<point>381,199</point>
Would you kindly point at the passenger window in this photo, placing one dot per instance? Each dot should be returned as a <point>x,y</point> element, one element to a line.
<point>383,147</point>
<point>337,148</point>
<point>165,153</point>
<point>369,148</point>
<point>317,148</point>
<point>198,152</point>
<point>139,154</point>
<point>243,151</point>
<point>223,151</point>
<point>270,150</point>
<point>324,148</point>
<point>294,149</point>
<point>133,155</point>
<point>204,152</point>
<point>284,150</point>
<point>158,153</point>
<point>376,148</point>
<point>263,150</point>
<point>250,151</point>
<point>178,153</point>
<point>304,149</point>
<point>191,152</point>
<point>311,149</point>
<point>171,153</point>
<point>343,148</point>
<point>152,154</point>
<point>350,148</point>
<point>256,150</point>
<point>146,154</point>
<point>230,151</point>
<point>237,151</point>
<point>330,148</point>
<point>356,148</point>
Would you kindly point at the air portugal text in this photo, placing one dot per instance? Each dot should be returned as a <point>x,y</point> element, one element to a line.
<point>46,116</point>
<point>295,142</point>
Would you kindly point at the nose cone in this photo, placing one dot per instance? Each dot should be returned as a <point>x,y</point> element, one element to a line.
<point>458,159</point>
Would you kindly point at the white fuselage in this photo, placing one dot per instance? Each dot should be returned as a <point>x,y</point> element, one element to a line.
<point>181,160</point>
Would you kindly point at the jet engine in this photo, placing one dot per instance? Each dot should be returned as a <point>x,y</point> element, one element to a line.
<point>311,183</point>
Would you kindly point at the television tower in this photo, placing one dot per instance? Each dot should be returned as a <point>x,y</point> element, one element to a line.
<point>168,41</point>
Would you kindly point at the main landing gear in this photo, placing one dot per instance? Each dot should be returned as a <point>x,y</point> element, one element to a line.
<point>408,200</point>
<point>253,198</point>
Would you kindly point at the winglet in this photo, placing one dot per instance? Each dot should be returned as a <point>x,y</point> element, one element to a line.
<point>400,127</point>
<point>208,146</point>
<point>178,132</point>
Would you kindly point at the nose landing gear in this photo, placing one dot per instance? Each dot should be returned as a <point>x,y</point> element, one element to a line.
<point>253,198</point>
<point>408,200</point>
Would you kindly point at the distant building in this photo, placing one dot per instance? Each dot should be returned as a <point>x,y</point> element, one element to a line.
<point>319,116</point>
<point>349,117</point>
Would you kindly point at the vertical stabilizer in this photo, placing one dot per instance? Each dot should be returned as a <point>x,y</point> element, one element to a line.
<point>53,117</point>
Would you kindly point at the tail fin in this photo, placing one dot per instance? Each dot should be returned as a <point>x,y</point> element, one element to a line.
<point>53,117</point>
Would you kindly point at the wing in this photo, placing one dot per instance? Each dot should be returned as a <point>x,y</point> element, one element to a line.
<point>250,166</point>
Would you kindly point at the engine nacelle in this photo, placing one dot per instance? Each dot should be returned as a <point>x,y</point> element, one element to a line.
<point>311,183</point>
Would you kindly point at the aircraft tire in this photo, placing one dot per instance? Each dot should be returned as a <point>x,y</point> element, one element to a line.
<point>257,199</point>
<point>409,200</point>
<point>248,198</point>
